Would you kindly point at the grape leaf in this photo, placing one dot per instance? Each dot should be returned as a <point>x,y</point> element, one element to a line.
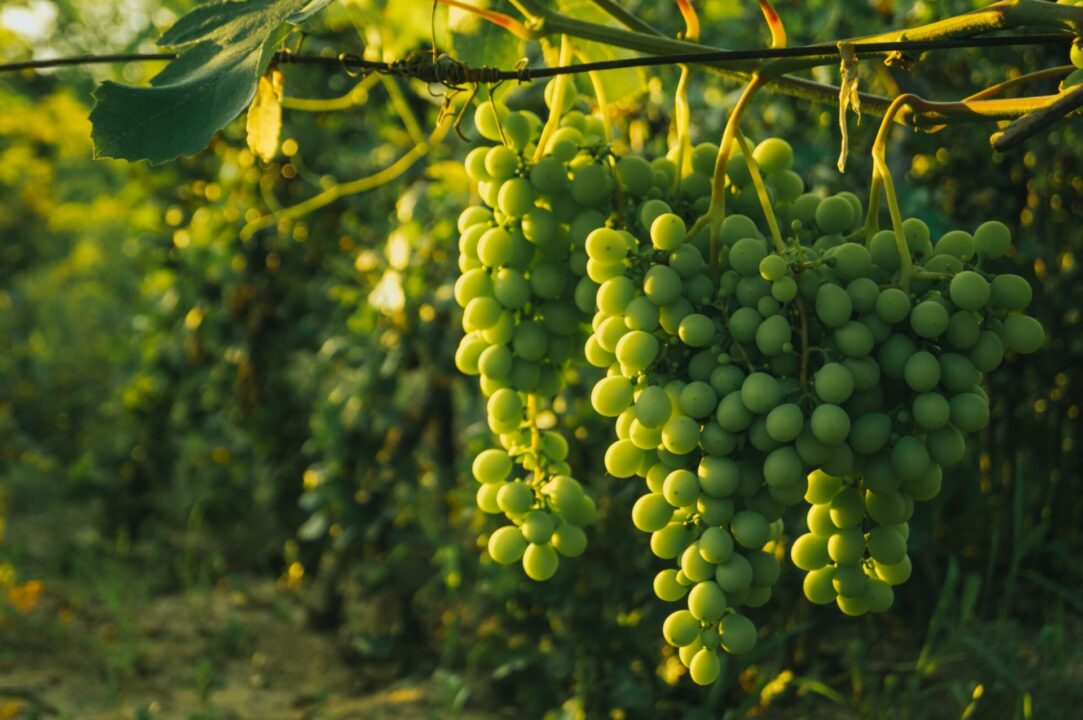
<point>480,43</point>
<point>225,47</point>
<point>618,84</point>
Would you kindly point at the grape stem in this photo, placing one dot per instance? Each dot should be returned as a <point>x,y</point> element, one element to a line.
<point>680,100</point>
<point>535,436</point>
<point>603,110</point>
<point>881,176</point>
<point>761,192</point>
<point>560,85</point>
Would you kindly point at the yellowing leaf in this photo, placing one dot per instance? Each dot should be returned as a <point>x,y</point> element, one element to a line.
<point>265,116</point>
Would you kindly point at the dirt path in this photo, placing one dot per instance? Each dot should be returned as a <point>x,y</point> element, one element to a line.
<point>220,654</point>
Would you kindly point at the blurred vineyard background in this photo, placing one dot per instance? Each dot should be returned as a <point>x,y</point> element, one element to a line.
<point>234,474</point>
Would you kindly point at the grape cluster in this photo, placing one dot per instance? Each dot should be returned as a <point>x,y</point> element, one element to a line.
<point>825,363</point>
<point>807,374</point>
<point>521,256</point>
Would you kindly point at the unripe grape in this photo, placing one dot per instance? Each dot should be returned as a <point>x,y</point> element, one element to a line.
<point>540,562</point>
<point>507,545</point>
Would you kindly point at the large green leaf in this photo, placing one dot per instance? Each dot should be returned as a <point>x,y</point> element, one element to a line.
<point>618,84</point>
<point>480,43</point>
<point>224,49</point>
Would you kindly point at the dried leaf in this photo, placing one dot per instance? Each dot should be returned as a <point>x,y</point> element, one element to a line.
<point>265,116</point>
<point>848,97</point>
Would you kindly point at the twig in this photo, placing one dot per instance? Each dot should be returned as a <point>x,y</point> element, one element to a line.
<point>1036,121</point>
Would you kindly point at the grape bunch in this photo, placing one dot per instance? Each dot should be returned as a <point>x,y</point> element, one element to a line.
<point>522,259</point>
<point>805,373</point>
<point>789,354</point>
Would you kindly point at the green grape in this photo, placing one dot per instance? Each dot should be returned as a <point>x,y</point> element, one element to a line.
<point>492,466</point>
<point>487,121</point>
<point>715,545</point>
<point>850,580</point>
<point>809,552</point>
<point>642,314</point>
<point>846,546</point>
<point>569,540</point>
<point>505,408</point>
<point>501,163</point>
<point>869,433</point>
<point>667,588</point>
<point>854,340</point>
<point>784,289</point>
<point>895,574</point>
<point>773,155</point>
<point>929,319</point>
<point>651,513</point>
<point>773,267</point>
<point>834,214</point>
<point>746,255</point>
<point>784,422</point>
<point>773,335</point>
<point>670,541</point>
<point>549,177</point>
<point>507,545</point>
<point>696,330</point>
<point>636,350</point>
<point>986,354</point>
<point>760,393</point>
<point>969,290</point>
<point>590,185</point>
<point>883,249</point>
<point>819,587</point>
<point>1023,334</point>
<point>878,595</point>
<point>718,476</point>
<point>636,174</point>
<point>917,236</point>
<point>705,667</point>
<point>537,527</point>
<point>829,424</point>
<point>922,371</point>
<point>662,285</point>
<point>515,498</point>
<point>847,508</point>
<point>653,407</point>
<point>540,562</point>
<point>681,488</point>
<point>783,467</point>
<point>886,546</point>
<point>697,399</point>
<point>734,575</point>
<point>469,351</point>
<point>833,305</point>
<point>956,243</point>
<point>614,295</point>
<point>964,329</point>
<point>707,601</point>
<point>852,606</point>
<point>667,231</point>
<point>481,313</point>
<point>1011,292</point>
<point>694,567</point>
<point>651,210</point>
<point>931,411</point>
<point>606,246</point>
<point>892,306</point>
<point>623,458</point>
<point>909,457</point>
<point>495,247</point>
<point>529,341</point>
<point>958,373</point>
<point>611,396</point>
<point>992,239</point>
<point>969,412</point>
<point>946,446</point>
<point>834,383</point>
<point>822,488</point>
<point>750,529</point>
<point>852,261</point>
<point>680,435</point>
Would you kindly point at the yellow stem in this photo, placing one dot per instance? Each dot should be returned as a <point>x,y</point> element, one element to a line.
<point>560,85</point>
<point>358,95</point>
<point>761,191</point>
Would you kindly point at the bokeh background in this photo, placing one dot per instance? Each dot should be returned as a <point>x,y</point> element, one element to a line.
<point>234,474</point>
